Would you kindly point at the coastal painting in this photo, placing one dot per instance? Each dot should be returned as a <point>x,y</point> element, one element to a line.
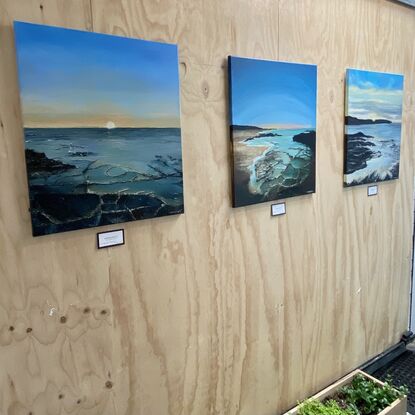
<point>101,127</point>
<point>372,126</point>
<point>273,129</point>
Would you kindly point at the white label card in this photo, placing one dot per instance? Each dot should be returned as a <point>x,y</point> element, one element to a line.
<point>372,190</point>
<point>278,209</point>
<point>111,238</point>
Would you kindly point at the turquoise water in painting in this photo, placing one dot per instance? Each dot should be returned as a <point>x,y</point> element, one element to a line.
<point>283,167</point>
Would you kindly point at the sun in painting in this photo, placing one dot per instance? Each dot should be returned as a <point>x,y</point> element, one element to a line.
<point>92,159</point>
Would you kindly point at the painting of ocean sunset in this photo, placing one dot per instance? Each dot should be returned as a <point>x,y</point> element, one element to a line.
<point>102,131</point>
<point>372,126</point>
<point>273,129</point>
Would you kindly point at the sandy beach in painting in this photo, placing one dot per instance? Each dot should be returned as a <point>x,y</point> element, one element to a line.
<point>272,163</point>
<point>244,153</point>
<point>273,119</point>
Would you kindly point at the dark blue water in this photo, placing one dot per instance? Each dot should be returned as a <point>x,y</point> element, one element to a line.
<point>385,140</point>
<point>84,177</point>
<point>126,160</point>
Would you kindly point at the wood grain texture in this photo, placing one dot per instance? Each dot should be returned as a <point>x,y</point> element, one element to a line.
<point>220,310</point>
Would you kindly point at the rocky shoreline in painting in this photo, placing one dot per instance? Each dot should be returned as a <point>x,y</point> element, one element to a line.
<point>373,117</point>
<point>273,134</point>
<point>101,118</point>
<point>64,211</point>
<point>359,152</point>
<point>271,164</point>
<point>349,120</point>
<point>57,212</point>
<point>79,188</point>
<point>372,152</point>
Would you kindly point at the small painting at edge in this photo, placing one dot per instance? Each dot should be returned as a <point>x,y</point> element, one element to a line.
<point>373,117</point>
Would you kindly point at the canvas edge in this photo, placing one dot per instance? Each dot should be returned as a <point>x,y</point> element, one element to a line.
<point>314,190</point>
<point>230,132</point>
<point>35,234</point>
<point>86,228</point>
<point>93,32</point>
<point>16,24</point>
<point>345,140</point>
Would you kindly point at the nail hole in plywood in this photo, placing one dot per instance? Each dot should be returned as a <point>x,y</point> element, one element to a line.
<point>29,330</point>
<point>63,319</point>
<point>183,69</point>
<point>205,89</point>
<point>108,384</point>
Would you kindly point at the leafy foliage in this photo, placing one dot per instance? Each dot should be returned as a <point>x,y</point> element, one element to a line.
<point>315,407</point>
<point>361,397</point>
<point>365,397</point>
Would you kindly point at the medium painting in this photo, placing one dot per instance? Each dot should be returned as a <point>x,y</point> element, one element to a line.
<point>372,126</point>
<point>101,127</point>
<point>273,129</point>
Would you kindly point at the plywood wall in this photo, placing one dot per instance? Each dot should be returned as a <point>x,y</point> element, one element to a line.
<point>220,310</point>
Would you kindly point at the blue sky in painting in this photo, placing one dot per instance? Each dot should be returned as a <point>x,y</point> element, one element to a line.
<point>75,78</point>
<point>272,94</point>
<point>374,95</point>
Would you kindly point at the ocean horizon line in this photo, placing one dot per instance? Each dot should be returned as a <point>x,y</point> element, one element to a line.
<point>290,127</point>
<point>372,123</point>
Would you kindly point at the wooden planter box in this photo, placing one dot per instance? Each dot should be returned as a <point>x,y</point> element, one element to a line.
<point>395,408</point>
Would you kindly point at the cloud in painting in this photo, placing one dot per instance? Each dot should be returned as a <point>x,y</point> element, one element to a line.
<point>374,95</point>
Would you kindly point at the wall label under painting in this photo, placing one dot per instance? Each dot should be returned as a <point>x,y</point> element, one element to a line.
<point>102,127</point>
<point>273,129</point>
<point>373,120</point>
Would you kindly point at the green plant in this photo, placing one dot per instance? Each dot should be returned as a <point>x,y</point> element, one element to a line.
<point>315,407</point>
<point>365,397</point>
<point>361,397</point>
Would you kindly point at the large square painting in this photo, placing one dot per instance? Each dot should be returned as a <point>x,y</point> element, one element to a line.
<point>101,127</point>
<point>372,126</point>
<point>273,129</point>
